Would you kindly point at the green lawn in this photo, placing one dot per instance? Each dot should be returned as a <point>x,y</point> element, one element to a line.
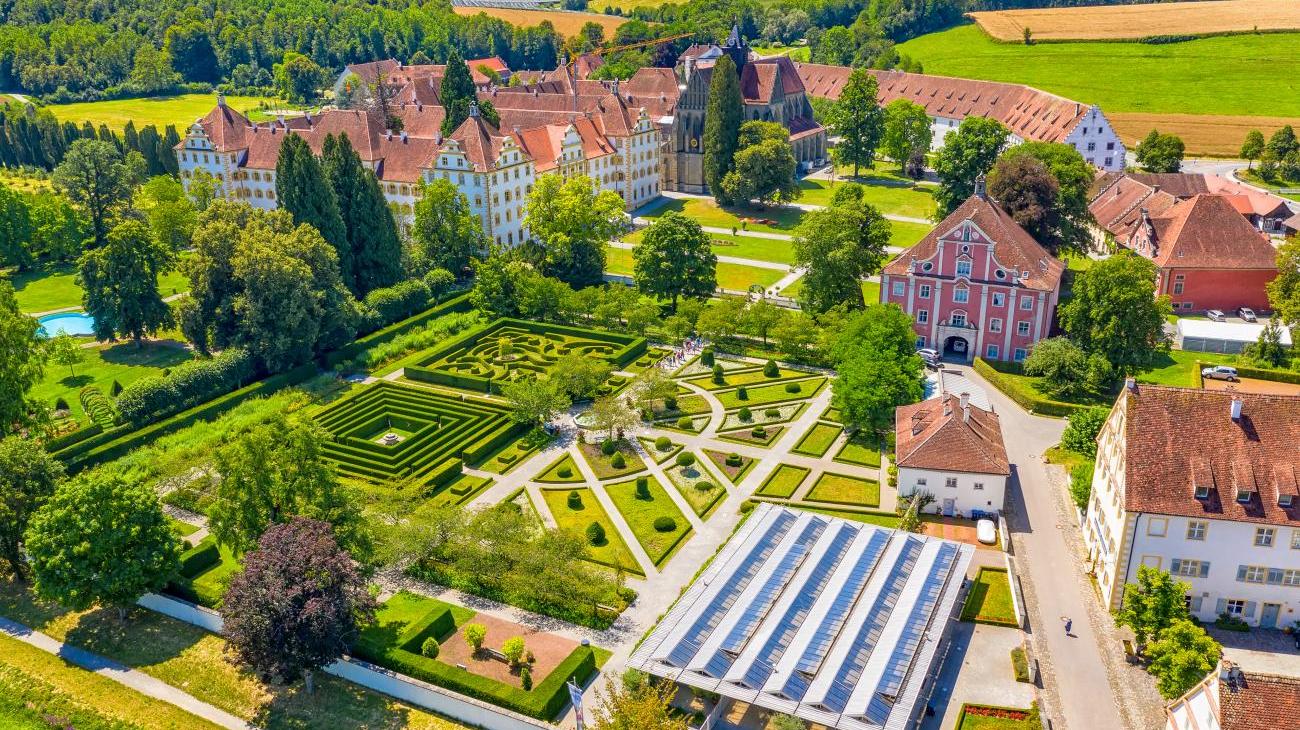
<point>870,290</point>
<point>553,474</point>
<point>746,378</point>
<point>842,489</point>
<point>783,481</point>
<point>613,551</point>
<point>886,192</point>
<point>989,600</point>
<point>688,483</point>
<point>883,519</point>
<point>403,609</point>
<point>659,456</point>
<point>708,213</point>
<point>642,513</point>
<point>774,393</point>
<point>103,364</point>
<point>905,235</point>
<point>1236,75</point>
<point>43,290</point>
<point>179,110</point>
<point>818,440</point>
<point>730,276</point>
<point>36,686</point>
<point>603,465</point>
<point>860,450</point>
<point>188,657</point>
<point>774,250</point>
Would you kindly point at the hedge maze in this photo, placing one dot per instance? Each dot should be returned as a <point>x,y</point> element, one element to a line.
<point>393,432</point>
<point>510,349</point>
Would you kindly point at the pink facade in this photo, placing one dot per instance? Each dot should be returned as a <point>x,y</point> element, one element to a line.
<point>976,285</point>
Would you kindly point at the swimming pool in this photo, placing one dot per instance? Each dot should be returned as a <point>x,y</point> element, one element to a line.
<point>78,324</point>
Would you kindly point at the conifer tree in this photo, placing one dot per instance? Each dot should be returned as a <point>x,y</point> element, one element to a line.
<point>456,92</point>
<point>167,149</point>
<point>371,232</point>
<point>303,190</point>
<point>722,119</point>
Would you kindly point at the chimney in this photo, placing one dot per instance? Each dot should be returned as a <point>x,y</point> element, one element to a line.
<point>473,109</point>
<point>221,99</point>
<point>1236,408</point>
<point>1131,384</point>
<point>403,137</point>
<point>965,400</point>
<point>980,191</point>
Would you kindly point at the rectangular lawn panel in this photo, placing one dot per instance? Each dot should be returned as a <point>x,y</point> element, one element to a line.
<point>746,378</point>
<point>861,450</point>
<point>444,433</point>
<point>709,214</point>
<point>688,482</point>
<point>603,465</point>
<point>735,469</point>
<point>774,393</point>
<point>613,552</point>
<point>512,349</point>
<point>783,481</point>
<point>753,437</point>
<point>989,600</point>
<point>819,439</point>
<point>505,459</point>
<point>890,194</point>
<point>659,456</point>
<point>563,471</point>
<point>842,489</point>
<point>641,515</point>
<point>739,277</point>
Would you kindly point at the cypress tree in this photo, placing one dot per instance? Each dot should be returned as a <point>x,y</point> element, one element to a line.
<point>722,119</point>
<point>167,150</point>
<point>147,146</point>
<point>303,190</point>
<point>372,234</point>
<point>131,139</point>
<point>456,92</point>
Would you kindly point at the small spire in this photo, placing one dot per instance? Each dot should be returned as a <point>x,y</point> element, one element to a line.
<point>980,190</point>
<point>221,99</point>
<point>473,109</point>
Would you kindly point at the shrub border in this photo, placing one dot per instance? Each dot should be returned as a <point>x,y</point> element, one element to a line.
<point>1038,406</point>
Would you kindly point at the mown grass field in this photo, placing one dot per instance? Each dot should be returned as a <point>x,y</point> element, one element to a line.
<point>44,290</point>
<point>566,23</point>
<point>1111,22</point>
<point>1234,76</point>
<point>180,110</point>
<point>100,366</point>
<point>796,53</point>
<point>736,277</point>
<point>887,192</point>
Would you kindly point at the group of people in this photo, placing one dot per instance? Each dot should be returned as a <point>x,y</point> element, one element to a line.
<point>690,347</point>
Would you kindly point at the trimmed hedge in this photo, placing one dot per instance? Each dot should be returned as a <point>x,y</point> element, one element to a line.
<point>98,407</point>
<point>1245,371</point>
<point>200,557</point>
<point>188,384</point>
<point>1039,405</point>
<point>397,302</point>
<point>70,439</point>
<point>457,303</point>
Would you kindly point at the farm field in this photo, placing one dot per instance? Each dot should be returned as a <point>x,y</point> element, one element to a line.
<point>1112,22</point>
<point>1212,135</point>
<point>566,23</point>
<point>1231,76</point>
<point>179,110</point>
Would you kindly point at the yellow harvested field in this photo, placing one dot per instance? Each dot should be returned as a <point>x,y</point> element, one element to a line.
<point>1205,135</point>
<point>1110,22</point>
<point>566,23</point>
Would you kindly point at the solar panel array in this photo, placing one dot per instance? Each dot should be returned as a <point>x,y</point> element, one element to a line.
<point>816,616</point>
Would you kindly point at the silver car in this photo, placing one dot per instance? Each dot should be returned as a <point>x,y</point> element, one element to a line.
<point>1246,313</point>
<point>930,357</point>
<point>1220,372</point>
<point>1216,315</point>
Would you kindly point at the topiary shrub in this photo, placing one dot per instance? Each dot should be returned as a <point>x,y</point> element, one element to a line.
<point>772,413</point>
<point>513,650</point>
<point>595,534</point>
<point>735,460</point>
<point>706,358</point>
<point>719,376</point>
<point>575,500</point>
<point>704,486</point>
<point>618,462</point>
<point>747,506</point>
<point>663,443</point>
<point>685,423</point>
<point>745,414</point>
<point>770,370</point>
<point>115,389</point>
<point>793,387</point>
<point>564,472</point>
<point>742,393</point>
<point>60,404</point>
<point>608,447</point>
<point>642,488</point>
<point>759,432</point>
<point>685,459</point>
<point>670,403</point>
<point>525,679</point>
<point>430,648</point>
<point>665,524</point>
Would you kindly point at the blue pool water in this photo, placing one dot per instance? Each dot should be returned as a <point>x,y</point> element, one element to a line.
<point>78,324</point>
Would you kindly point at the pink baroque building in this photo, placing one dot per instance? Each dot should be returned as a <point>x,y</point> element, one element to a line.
<point>976,285</point>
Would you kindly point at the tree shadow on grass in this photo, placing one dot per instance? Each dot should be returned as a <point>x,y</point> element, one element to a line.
<point>335,704</point>
<point>160,354</point>
<point>145,639</point>
<point>76,381</point>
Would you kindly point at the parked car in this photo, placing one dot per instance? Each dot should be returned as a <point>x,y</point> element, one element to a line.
<point>986,532</point>
<point>1220,372</point>
<point>1246,313</point>
<point>1216,315</point>
<point>930,357</point>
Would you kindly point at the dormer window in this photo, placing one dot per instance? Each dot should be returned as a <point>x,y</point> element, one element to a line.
<point>1244,495</point>
<point>1285,500</point>
<point>1202,492</point>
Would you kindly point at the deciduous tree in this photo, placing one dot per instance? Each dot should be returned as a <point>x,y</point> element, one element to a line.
<point>722,119</point>
<point>28,477</point>
<point>1181,657</point>
<point>273,473</point>
<point>906,136</point>
<point>572,219</point>
<point>1114,312</point>
<point>97,180</point>
<point>764,171</point>
<point>967,153</point>
<point>1074,178</point>
<point>101,539</point>
<point>839,246</point>
<point>446,233</point>
<point>299,603</point>
<point>579,376</point>
<point>1252,147</point>
<point>16,233</point>
<point>611,415</point>
<point>1152,604</point>
<point>1081,435</point>
<point>64,350</point>
<point>120,283</point>
<point>675,259</point>
<point>1284,289</point>
<point>1025,188</point>
<point>1160,152</point>
<point>22,363</point>
<point>299,78</point>
<point>643,706</point>
<point>859,122</point>
<point>172,216</point>
<point>871,385</point>
<point>535,401</point>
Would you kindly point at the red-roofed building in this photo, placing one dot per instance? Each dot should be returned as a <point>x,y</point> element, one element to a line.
<point>1232,699</point>
<point>1203,484</point>
<point>1209,254</point>
<point>977,284</point>
<point>952,450</point>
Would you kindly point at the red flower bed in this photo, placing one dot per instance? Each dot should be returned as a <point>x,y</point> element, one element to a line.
<point>996,712</point>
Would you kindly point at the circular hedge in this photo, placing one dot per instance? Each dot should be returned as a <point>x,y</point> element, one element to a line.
<point>734,460</point>
<point>665,524</point>
<point>770,370</point>
<point>685,423</point>
<point>745,414</point>
<point>663,443</point>
<point>430,648</point>
<point>793,387</point>
<point>685,458</point>
<point>773,413</point>
<point>759,432</point>
<point>564,472</point>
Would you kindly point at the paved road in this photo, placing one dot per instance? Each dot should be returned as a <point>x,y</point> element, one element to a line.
<point>133,678</point>
<point>1086,684</point>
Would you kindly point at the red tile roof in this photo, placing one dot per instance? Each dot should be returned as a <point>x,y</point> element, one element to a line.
<point>939,434</point>
<point>1259,702</point>
<point>1029,113</point>
<point>1207,232</point>
<point>1178,439</point>
<point>1013,247</point>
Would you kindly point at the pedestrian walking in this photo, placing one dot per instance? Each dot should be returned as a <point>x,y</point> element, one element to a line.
<point>1069,625</point>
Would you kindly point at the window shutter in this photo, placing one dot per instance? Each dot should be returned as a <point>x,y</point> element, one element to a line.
<point>1205,569</point>
<point>1221,607</point>
<point>1241,573</point>
<point>1250,610</point>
